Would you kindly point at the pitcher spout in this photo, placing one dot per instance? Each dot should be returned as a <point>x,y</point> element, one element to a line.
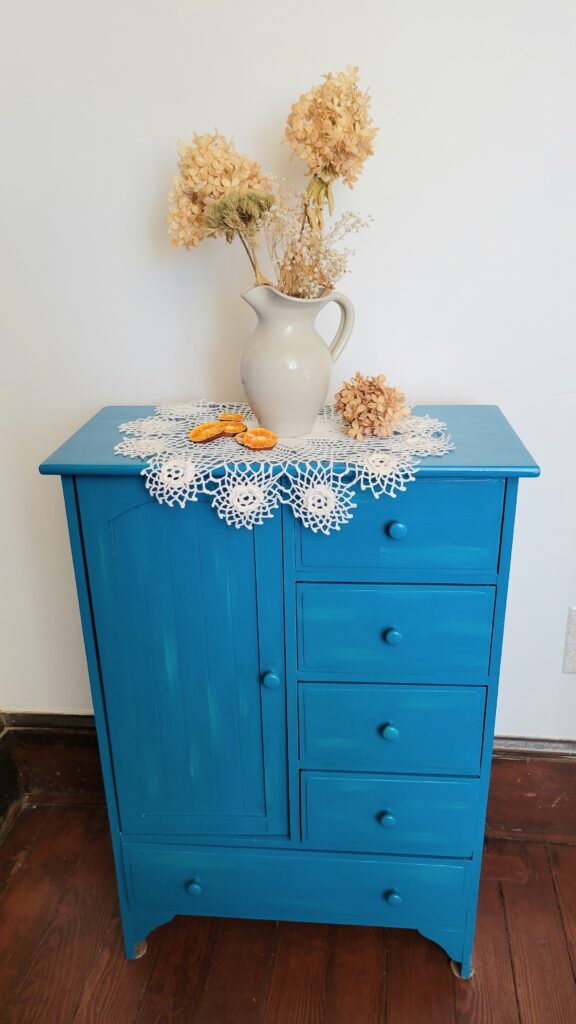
<point>265,299</point>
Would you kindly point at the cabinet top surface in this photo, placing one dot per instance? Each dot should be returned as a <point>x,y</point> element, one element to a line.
<point>484,444</point>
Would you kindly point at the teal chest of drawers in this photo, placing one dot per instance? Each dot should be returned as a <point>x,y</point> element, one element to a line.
<point>291,725</point>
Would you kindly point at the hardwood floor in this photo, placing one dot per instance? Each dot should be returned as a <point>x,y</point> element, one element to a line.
<point>61,958</point>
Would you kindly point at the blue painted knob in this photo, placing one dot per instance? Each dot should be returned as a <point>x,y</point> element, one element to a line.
<point>390,732</point>
<point>271,681</point>
<point>393,637</point>
<point>193,888</point>
<point>396,530</point>
<point>388,820</point>
<point>393,898</point>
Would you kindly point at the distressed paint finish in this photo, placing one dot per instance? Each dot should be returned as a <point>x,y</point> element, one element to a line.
<point>297,885</point>
<point>413,633</point>
<point>389,814</point>
<point>392,728</point>
<point>296,726</point>
<point>432,525</point>
<point>176,617</point>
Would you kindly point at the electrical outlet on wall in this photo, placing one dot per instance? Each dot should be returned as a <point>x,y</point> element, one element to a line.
<point>570,642</point>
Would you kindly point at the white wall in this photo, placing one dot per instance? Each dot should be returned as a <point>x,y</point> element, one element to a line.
<point>464,288</point>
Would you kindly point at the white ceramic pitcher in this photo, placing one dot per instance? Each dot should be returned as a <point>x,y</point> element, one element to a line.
<point>285,365</point>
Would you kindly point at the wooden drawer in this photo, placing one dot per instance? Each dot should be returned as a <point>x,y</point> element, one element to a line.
<point>395,632</point>
<point>389,814</point>
<point>433,525</point>
<point>434,730</point>
<point>297,886</point>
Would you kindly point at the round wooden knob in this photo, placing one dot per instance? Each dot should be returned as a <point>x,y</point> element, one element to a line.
<point>271,681</point>
<point>393,637</point>
<point>387,819</point>
<point>396,530</point>
<point>393,898</point>
<point>193,888</point>
<point>390,732</point>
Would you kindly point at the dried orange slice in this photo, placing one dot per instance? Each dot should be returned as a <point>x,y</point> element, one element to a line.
<point>230,417</point>
<point>258,439</point>
<point>233,427</point>
<point>206,432</point>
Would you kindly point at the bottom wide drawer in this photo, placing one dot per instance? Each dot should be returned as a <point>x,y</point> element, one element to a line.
<point>297,886</point>
<point>389,814</point>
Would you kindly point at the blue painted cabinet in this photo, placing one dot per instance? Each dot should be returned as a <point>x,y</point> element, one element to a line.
<point>296,726</point>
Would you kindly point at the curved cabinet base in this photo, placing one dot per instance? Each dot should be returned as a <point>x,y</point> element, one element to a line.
<point>142,923</point>
<point>452,942</point>
<point>428,894</point>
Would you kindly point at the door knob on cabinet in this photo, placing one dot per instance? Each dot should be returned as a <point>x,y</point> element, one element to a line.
<point>396,530</point>
<point>390,732</point>
<point>393,637</point>
<point>387,819</point>
<point>393,898</point>
<point>193,888</point>
<point>270,680</point>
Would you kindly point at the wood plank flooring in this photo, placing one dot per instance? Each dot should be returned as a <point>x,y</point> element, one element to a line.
<point>61,957</point>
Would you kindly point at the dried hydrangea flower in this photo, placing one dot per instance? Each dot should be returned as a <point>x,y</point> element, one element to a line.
<point>209,168</point>
<point>369,406</point>
<point>331,128</point>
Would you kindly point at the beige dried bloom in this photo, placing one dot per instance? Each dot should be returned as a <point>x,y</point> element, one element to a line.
<point>331,128</point>
<point>369,407</point>
<point>307,261</point>
<point>209,168</point>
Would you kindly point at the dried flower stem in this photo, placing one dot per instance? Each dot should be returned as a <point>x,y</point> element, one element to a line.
<point>251,253</point>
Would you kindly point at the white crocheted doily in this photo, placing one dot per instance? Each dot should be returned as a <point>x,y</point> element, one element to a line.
<point>315,475</point>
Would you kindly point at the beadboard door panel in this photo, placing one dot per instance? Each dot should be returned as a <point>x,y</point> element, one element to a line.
<point>432,525</point>
<point>176,597</point>
<point>394,632</point>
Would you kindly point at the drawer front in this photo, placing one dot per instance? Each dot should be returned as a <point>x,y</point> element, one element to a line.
<point>377,814</point>
<point>298,886</point>
<point>395,632</point>
<point>434,524</point>
<point>388,728</point>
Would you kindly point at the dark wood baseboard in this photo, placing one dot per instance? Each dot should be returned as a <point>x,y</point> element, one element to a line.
<point>50,759</point>
<point>533,790</point>
<point>54,759</point>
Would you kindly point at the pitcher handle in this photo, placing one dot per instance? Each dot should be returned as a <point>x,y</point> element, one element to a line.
<point>346,326</point>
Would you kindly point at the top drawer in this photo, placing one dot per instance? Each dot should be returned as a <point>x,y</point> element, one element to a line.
<point>433,525</point>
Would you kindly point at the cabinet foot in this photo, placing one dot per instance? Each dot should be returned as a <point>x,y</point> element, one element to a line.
<point>140,949</point>
<point>457,970</point>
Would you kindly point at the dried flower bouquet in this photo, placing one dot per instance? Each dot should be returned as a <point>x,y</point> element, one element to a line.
<point>219,192</point>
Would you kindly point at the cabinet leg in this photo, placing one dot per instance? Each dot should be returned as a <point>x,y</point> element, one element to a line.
<point>140,949</point>
<point>464,971</point>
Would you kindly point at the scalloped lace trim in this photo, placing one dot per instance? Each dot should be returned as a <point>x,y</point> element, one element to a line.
<point>316,475</point>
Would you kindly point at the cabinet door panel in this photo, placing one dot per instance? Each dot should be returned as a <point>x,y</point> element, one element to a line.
<point>196,738</point>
